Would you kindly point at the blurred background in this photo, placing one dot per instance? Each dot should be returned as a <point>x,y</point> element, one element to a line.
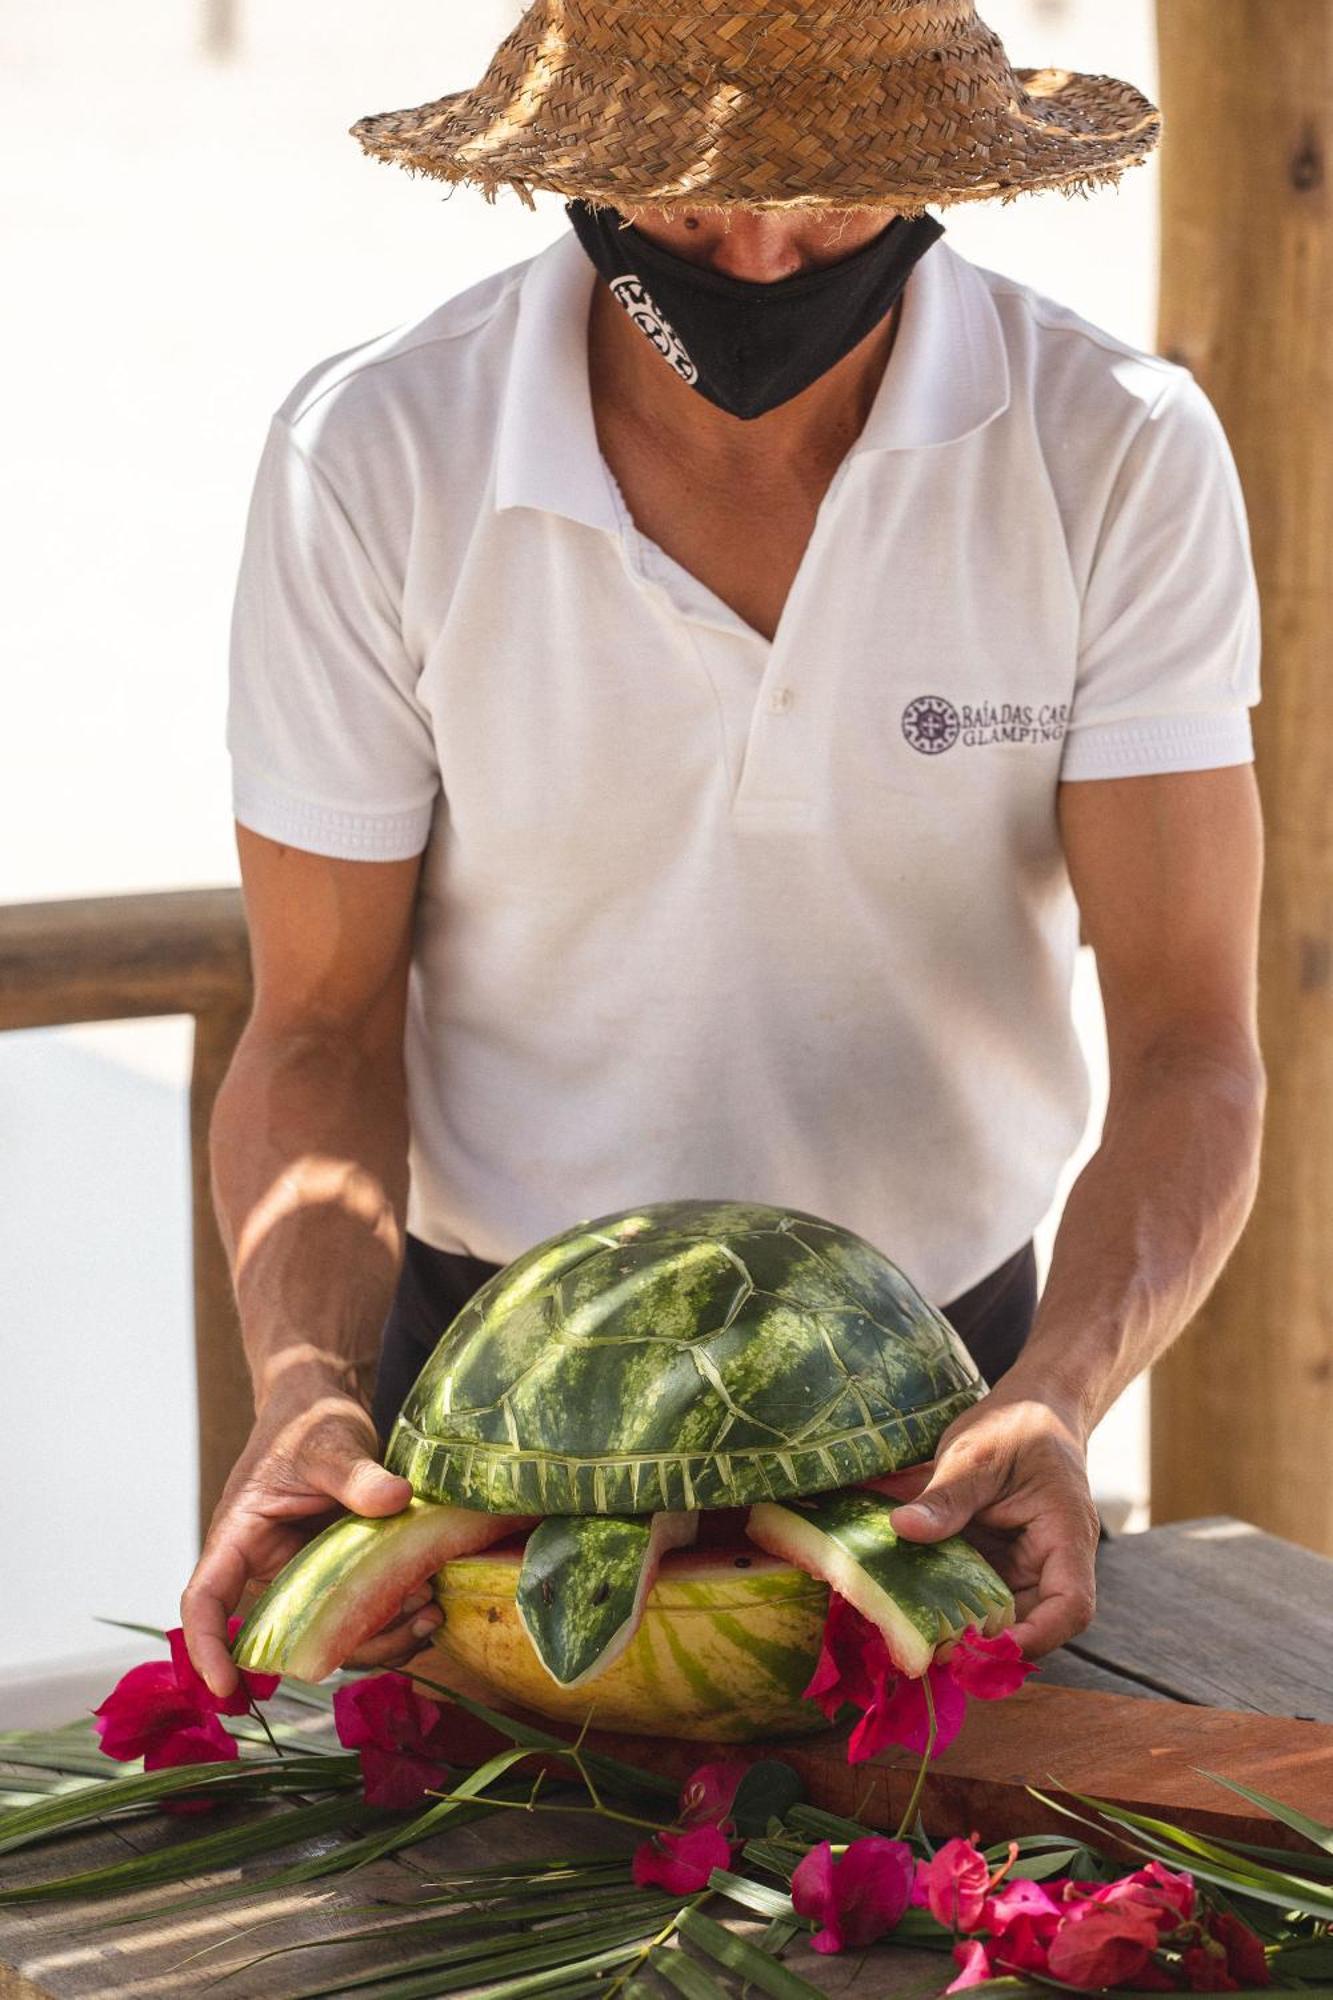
<point>191,230</point>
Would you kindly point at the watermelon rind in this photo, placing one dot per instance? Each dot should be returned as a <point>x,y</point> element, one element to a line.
<point>920,1595</point>
<point>583,1583</point>
<point>349,1582</point>
<point>682,1356</point>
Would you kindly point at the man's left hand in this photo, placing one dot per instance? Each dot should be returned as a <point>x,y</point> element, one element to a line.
<point>1013,1473</point>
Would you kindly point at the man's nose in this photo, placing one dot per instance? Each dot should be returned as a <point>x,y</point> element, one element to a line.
<point>759,248</point>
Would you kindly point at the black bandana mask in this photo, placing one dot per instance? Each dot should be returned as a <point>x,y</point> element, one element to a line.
<point>749,347</point>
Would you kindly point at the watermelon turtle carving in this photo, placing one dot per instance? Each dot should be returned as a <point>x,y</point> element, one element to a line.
<point>642,1455</point>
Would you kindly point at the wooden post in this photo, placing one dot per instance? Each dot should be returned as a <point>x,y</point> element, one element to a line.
<point>220,33</point>
<point>118,958</point>
<point>222,1379</point>
<point>1242,1409</point>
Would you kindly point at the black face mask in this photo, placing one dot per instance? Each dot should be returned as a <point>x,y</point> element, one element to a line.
<point>748,347</point>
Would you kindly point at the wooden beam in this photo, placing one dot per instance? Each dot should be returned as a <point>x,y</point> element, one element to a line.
<point>112,958</point>
<point>1242,1409</point>
<point>118,958</point>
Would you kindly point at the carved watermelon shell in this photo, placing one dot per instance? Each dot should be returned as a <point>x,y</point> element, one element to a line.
<point>683,1355</point>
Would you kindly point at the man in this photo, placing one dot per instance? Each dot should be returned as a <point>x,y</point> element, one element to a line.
<point>678,766</point>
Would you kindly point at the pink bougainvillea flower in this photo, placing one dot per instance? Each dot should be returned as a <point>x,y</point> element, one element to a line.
<point>406,1742</point>
<point>956,1882</point>
<point>1245,1956</point>
<point>709,1793</point>
<point>974,1959</point>
<point>1102,1944</point>
<point>855,1666</point>
<point>1021,1919</point>
<point>1165,1897</point>
<point>252,1687</point>
<point>853,1660</point>
<point>857,1896</point>
<point>681,1862</point>
<point>145,1708</point>
<point>204,1742</point>
<point>989,1669</point>
<point>898,1716</point>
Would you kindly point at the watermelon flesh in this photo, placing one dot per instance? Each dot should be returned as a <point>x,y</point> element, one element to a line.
<point>583,1585</point>
<point>919,1595</point>
<point>350,1581</point>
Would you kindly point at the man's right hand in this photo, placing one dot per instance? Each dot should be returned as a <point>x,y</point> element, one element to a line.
<point>310,1453</point>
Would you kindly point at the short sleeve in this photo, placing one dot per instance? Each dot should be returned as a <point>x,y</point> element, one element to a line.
<point>331,749</point>
<point>1170,637</point>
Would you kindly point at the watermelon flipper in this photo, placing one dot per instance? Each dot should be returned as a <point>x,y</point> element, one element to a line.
<point>350,1581</point>
<point>920,1595</point>
<point>583,1584</point>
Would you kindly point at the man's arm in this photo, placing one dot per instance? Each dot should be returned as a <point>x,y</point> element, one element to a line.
<point>1167,874</point>
<point>309,1153</point>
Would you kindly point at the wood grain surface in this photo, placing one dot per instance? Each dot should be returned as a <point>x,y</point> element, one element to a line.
<point>1242,1406</point>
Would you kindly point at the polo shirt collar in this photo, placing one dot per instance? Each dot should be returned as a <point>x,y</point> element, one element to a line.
<point>948,377</point>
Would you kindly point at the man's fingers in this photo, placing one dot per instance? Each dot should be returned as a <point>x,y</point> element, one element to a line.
<point>398,1642</point>
<point>205,1608</point>
<point>1061,1606</point>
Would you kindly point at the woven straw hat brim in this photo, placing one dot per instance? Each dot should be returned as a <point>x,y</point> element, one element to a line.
<point>905,105</point>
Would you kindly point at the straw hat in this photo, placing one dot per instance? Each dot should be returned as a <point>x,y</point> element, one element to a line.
<point>747,104</point>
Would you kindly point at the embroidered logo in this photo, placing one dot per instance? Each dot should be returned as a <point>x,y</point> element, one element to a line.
<point>931,724</point>
<point>638,303</point>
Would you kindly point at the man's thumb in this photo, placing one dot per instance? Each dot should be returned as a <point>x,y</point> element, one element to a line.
<point>943,1508</point>
<point>361,1485</point>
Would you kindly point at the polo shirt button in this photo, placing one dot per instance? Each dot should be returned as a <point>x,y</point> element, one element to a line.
<point>780,701</point>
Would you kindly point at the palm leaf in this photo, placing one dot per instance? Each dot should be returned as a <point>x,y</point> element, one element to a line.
<point>200,1856</point>
<point>571,1952</point>
<point>746,1960</point>
<point>1305,1899</point>
<point>558,1983</point>
<point>814,1822</point>
<point>689,1978</point>
<point>1217,1853</point>
<point>610,1771</point>
<point>756,1896</point>
<point>92,1802</point>
<point>442,1924</point>
<point>1317,1835</point>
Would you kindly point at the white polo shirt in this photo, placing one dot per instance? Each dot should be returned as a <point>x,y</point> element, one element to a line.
<point>703,915</point>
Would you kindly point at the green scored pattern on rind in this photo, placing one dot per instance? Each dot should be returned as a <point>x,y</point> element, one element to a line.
<point>940,1588</point>
<point>501,1479</point>
<point>684,1355</point>
<point>577,1587</point>
<point>298,1619</point>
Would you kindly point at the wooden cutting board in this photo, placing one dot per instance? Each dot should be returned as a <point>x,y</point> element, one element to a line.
<point>1149,1756</point>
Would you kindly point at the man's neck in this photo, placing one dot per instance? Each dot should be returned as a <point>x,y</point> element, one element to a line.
<point>632,383</point>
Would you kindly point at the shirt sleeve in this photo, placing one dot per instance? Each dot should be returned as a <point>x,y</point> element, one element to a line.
<point>1170,639</point>
<point>331,749</point>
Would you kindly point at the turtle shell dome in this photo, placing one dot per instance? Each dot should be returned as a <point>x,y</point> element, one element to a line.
<point>688,1354</point>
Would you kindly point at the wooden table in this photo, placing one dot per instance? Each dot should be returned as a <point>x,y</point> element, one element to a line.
<point>1210,1613</point>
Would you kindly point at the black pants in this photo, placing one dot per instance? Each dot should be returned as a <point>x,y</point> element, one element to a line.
<point>993,1319</point>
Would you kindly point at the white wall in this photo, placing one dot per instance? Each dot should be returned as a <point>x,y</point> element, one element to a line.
<point>189,238</point>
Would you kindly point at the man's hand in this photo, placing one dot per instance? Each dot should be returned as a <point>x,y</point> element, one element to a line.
<point>1013,1472</point>
<point>308,1455</point>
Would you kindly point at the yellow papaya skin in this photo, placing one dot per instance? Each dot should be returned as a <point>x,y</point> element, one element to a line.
<point>722,1654</point>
